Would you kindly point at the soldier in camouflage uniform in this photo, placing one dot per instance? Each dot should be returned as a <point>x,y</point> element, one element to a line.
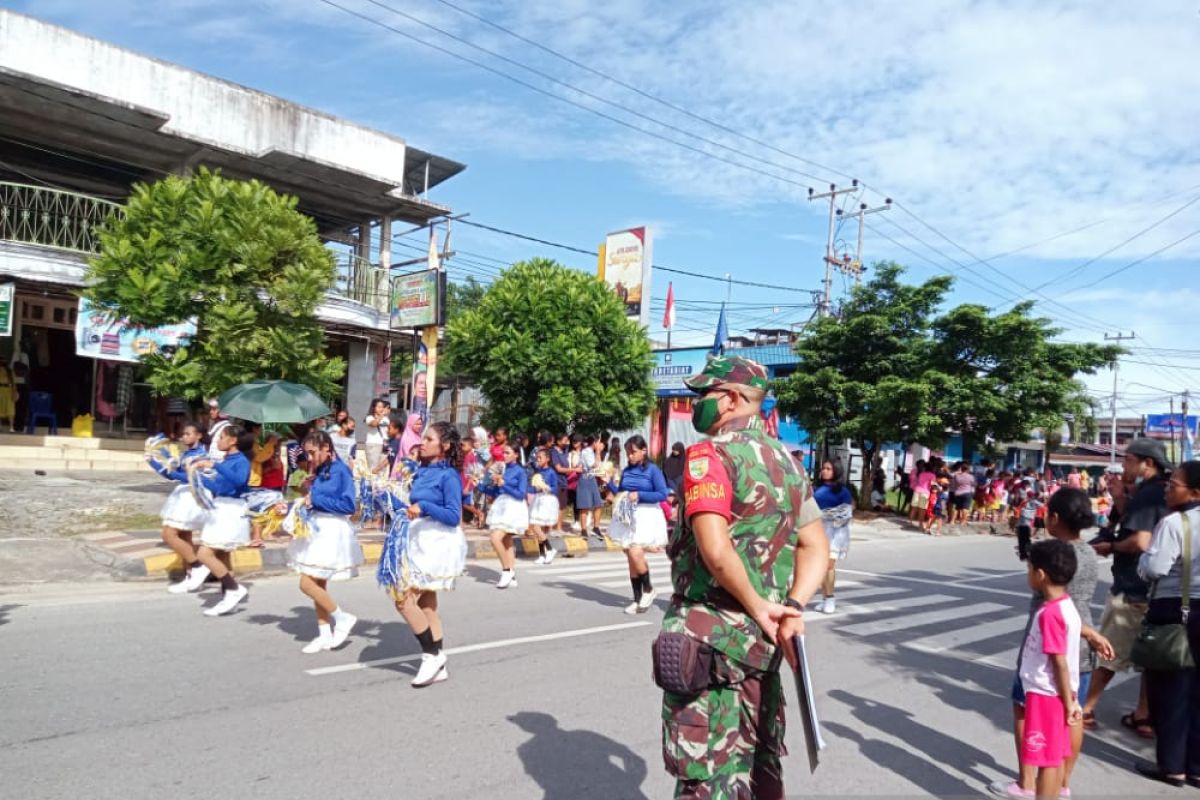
<point>750,527</point>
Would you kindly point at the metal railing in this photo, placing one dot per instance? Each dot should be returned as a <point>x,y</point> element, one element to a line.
<point>361,281</point>
<point>53,217</point>
<point>62,220</point>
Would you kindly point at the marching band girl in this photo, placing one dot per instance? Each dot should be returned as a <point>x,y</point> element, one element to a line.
<point>509,514</point>
<point>543,504</point>
<point>436,550</point>
<point>643,485</point>
<point>331,550</point>
<point>228,526</point>
<point>181,514</point>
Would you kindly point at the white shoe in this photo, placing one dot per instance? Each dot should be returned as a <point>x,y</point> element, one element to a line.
<point>541,559</point>
<point>317,645</point>
<point>829,606</point>
<point>228,602</point>
<point>646,601</point>
<point>507,578</point>
<point>341,631</point>
<point>632,608</point>
<point>550,554</point>
<point>433,670</point>
<point>192,582</point>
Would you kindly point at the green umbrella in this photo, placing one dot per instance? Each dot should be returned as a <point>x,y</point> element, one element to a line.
<point>272,401</point>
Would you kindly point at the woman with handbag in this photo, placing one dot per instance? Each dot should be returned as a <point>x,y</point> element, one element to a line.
<point>1169,644</point>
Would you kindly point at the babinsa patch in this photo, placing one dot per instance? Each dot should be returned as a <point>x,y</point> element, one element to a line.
<point>697,468</point>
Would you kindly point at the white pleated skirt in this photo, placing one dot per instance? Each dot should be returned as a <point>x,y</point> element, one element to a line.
<point>331,553</point>
<point>649,528</point>
<point>544,510</point>
<point>181,511</point>
<point>436,555</point>
<point>509,514</point>
<point>227,526</point>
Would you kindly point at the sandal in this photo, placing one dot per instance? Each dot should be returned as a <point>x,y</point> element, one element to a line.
<point>1141,727</point>
<point>1089,721</point>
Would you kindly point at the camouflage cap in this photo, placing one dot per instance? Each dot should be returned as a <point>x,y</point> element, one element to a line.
<point>723,370</point>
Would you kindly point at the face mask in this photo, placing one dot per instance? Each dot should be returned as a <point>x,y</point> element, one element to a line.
<point>705,413</point>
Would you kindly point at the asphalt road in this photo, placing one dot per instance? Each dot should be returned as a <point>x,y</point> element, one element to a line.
<point>126,691</point>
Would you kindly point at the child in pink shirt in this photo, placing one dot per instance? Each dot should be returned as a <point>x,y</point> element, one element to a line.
<point>1049,666</point>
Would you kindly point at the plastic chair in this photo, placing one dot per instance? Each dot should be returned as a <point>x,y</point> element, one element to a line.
<point>41,407</point>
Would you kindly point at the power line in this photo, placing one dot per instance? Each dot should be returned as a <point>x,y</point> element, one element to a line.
<point>661,268</point>
<point>567,100</point>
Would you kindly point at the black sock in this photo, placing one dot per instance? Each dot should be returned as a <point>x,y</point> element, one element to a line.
<point>437,646</point>
<point>636,583</point>
<point>543,547</point>
<point>646,587</point>
<point>193,565</point>
<point>425,639</point>
<point>228,584</point>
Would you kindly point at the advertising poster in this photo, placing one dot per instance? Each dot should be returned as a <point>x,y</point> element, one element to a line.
<point>626,268</point>
<point>416,299</point>
<point>100,336</point>
<point>1168,426</point>
<point>671,367</point>
<point>6,308</point>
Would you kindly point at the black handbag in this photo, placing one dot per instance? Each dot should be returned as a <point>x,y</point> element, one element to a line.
<point>682,665</point>
<point>1165,647</point>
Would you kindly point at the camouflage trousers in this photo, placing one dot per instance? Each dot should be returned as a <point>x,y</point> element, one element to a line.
<point>725,743</point>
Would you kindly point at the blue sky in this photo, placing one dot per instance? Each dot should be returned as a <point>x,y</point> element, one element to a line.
<point>1000,125</point>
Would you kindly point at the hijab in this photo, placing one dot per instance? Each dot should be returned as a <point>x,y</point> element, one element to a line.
<point>673,469</point>
<point>410,436</point>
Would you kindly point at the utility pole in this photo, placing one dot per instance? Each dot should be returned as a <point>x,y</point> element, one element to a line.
<point>823,308</point>
<point>1172,418</point>
<point>1112,455</point>
<point>1186,454</point>
<point>856,266</point>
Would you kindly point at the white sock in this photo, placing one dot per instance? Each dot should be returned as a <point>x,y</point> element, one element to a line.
<point>339,616</point>
<point>324,631</point>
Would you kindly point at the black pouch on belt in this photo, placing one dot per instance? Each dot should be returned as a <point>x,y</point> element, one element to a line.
<point>682,665</point>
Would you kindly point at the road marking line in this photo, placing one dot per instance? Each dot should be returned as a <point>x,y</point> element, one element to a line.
<point>978,578</point>
<point>473,648</point>
<point>951,640</point>
<point>917,620</point>
<point>930,581</point>
<point>583,570</point>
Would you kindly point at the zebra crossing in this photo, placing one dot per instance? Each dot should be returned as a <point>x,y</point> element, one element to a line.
<point>979,624</point>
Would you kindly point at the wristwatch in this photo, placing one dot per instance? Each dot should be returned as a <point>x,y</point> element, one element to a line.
<point>792,602</point>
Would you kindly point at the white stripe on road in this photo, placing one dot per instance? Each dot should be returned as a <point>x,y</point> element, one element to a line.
<point>917,620</point>
<point>952,640</point>
<point>930,581</point>
<point>607,565</point>
<point>978,578</point>
<point>473,648</point>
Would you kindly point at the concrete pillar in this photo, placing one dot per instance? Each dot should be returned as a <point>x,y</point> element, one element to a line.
<point>360,382</point>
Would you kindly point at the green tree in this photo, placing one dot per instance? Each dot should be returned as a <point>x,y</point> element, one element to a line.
<point>551,348</point>
<point>460,297</point>
<point>887,369</point>
<point>235,256</point>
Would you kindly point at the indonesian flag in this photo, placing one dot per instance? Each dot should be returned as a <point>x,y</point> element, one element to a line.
<point>669,314</point>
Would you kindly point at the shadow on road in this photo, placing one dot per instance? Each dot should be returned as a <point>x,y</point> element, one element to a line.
<point>301,625</point>
<point>921,771</point>
<point>576,764</point>
<point>591,594</point>
<point>5,610</point>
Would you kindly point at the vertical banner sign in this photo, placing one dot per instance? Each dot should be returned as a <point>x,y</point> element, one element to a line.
<point>429,346</point>
<point>420,382</point>
<point>625,266</point>
<point>7,291</point>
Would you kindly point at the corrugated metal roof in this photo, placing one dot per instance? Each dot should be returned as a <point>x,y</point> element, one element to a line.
<point>769,355</point>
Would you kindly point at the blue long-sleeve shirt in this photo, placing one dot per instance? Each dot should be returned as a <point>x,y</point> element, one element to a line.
<point>827,497</point>
<point>549,476</point>
<point>232,478</point>
<point>333,489</point>
<point>180,473</point>
<point>437,491</point>
<point>646,479</point>
<point>516,483</point>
